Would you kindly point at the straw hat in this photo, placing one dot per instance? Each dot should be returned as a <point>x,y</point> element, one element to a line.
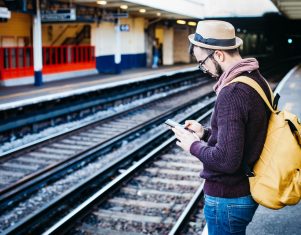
<point>215,34</point>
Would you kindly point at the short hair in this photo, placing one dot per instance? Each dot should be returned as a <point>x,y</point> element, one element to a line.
<point>231,52</point>
<point>191,46</point>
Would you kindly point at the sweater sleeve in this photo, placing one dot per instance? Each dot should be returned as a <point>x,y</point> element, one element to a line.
<point>232,113</point>
<point>207,134</point>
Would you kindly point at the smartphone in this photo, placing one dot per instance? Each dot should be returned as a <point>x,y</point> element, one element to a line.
<point>173,124</point>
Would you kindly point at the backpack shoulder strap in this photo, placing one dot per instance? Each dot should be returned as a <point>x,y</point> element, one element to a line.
<point>257,88</point>
<point>271,92</point>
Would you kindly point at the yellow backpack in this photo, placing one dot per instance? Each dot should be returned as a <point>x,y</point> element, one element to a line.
<point>277,177</point>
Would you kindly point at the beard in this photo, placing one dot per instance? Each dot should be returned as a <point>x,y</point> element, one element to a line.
<point>218,70</point>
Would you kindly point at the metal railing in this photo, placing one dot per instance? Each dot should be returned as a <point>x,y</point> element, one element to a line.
<point>18,61</point>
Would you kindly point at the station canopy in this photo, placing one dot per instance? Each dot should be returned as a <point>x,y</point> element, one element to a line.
<point>290,8</point>
<point>188,9</point>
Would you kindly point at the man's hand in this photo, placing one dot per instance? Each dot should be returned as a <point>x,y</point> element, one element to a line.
<point>185,138</point>
<point>196,127</point>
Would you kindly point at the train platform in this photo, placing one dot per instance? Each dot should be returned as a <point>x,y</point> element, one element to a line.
<point>11,97</point>
<point>287,219</point>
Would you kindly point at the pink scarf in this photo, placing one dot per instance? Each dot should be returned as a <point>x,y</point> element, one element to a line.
<point>248,64</point>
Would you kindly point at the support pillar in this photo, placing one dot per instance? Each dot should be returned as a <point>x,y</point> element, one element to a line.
<point>37,46</point>
<point>117,56</point>
<point>168,45</point>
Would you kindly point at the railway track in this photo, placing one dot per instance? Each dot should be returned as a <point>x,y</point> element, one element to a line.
<point>157,195</point>
<point>195,95</point>
<point>151,202</point>
<point>22,166</point>
<point>17,122</point>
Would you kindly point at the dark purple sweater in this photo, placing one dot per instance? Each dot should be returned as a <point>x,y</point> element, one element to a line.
<point>238,129</point>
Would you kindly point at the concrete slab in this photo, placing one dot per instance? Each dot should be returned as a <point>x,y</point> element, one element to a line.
<point>276,222</point>
<point>11,97</point>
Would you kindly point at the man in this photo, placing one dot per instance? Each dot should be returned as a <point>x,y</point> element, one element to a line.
<point>156,55</point>
<point>238,129</point>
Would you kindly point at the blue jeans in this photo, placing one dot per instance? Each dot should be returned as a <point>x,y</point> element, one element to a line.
<point>228,215</point>
<point>155,61</point>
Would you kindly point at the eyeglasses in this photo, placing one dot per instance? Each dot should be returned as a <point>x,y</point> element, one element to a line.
<point>201,62</point>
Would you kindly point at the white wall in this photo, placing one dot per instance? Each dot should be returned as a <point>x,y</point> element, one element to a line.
<point>132,42</point>
<point>103,38</point>
<point>168,58</point>
<point>181,44</point>
<point>175,44</point>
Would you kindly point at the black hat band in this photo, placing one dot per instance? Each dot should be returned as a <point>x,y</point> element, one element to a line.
<point>214,42</point>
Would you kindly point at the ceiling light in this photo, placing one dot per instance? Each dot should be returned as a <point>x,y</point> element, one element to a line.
<point>102,2</point>
<point>158,13</point>
<point>191,23</point>
<point>124,7</point>
<point>181,22</point>
<point>142,10</point>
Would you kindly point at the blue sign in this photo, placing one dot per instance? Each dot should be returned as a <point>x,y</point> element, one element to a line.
<point>58,15</point>
<point>124,28</point>
<point>120,15</point>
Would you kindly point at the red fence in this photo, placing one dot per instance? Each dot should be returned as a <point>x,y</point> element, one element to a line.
<point>18,61</point>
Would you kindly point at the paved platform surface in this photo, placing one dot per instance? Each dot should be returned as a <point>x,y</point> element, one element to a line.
<point>290,93</point>
<point>25,94</point>
<point>286,221</point>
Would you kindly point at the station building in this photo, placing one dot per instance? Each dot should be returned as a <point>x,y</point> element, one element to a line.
<point>89,37</point>
<point>43,40</point>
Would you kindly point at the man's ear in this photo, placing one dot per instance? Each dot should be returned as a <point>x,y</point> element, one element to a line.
<point>219,56</point>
